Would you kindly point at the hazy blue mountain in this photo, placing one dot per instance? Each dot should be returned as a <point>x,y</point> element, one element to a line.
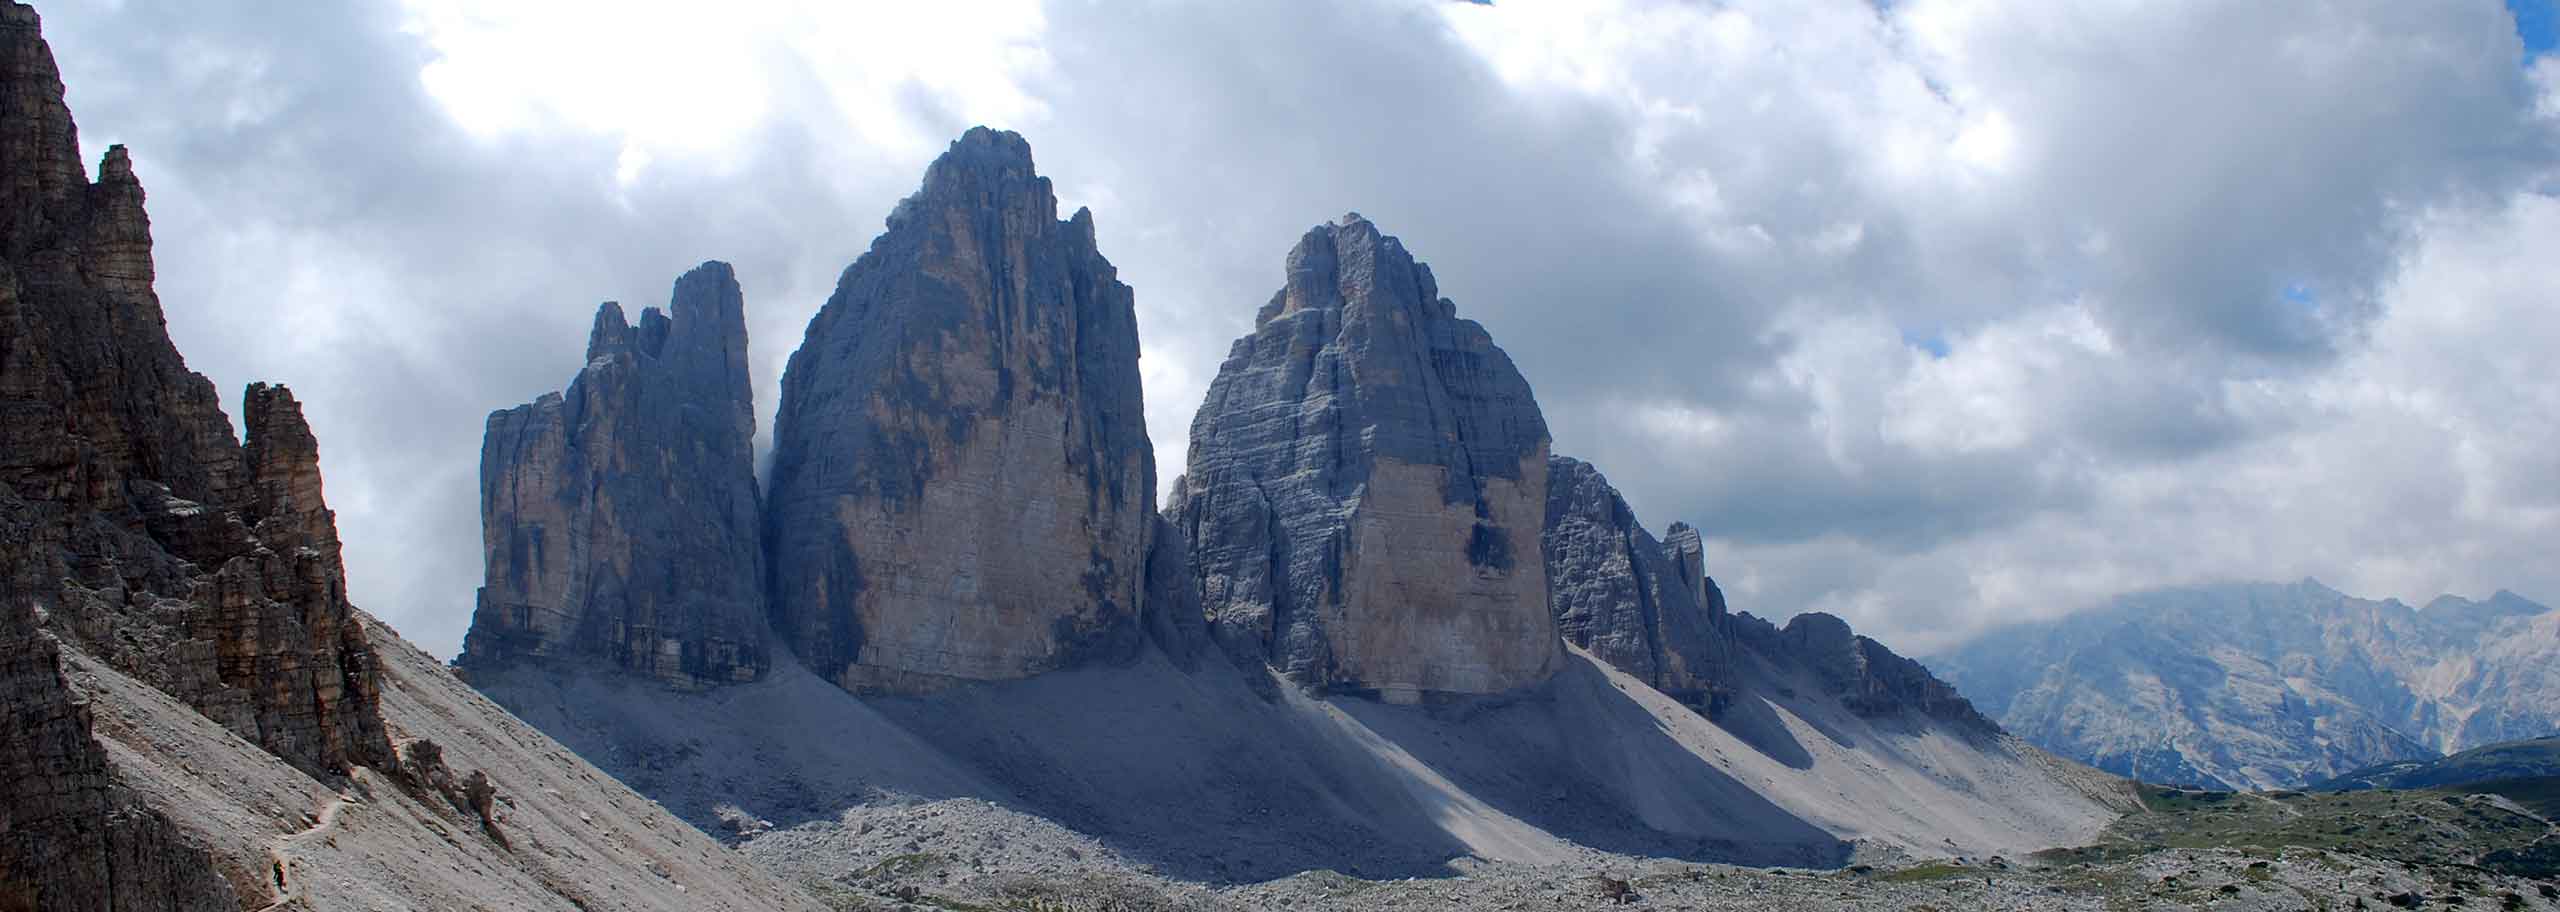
<point>2258,685</point>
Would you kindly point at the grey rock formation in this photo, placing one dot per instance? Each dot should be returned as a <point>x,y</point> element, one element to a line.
<point>156,538</point>
<point>1367,483</point>
<point>192,716</point>
<point>140,531</point>
<point>620,520</point>
<point>962,485</point>
<point>2263,685</point>
<point>1634,602</point>
<point>1869,678</point>
<point>1649,609</point>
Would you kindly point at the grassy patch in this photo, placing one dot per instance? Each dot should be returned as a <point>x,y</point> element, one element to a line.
<point>905,865</point>
<point>2415,827</point>
<point>1925,872</point>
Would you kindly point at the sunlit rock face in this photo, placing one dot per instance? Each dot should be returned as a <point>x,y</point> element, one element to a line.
<point>1367,483</point>
<point>962,486</point>
<point>620,520</point>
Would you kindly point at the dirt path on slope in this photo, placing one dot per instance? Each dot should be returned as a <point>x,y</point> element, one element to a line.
<point>280,855</point>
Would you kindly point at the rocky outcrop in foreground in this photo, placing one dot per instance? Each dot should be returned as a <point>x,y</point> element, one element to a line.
<point>139,530</point>
<point>620,520</point>
<point>1367,482</point>
<point>192,715</point>
<point>962,485</point>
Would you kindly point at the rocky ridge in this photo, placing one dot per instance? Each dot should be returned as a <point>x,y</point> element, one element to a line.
<point>1648,608</point>
<point>1367,483</point>
<point>962,485</point>
<point>621,520</point>
<point>192,714</point>
<point>1634,602</point>
<point>139,529</point>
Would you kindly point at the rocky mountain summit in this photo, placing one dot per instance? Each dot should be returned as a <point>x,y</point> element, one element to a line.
<point>1367,485</point>
<point>192,714</point>
<point>621,520</point>
<point>962,485</point>
<point>2266,685</point>
<point>1373,522</point>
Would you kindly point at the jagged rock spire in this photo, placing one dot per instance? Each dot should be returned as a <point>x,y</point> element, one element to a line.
<point>1633,602</point>
<point>1367,482</point>
<point>137,530</point>
<point>621,520</point>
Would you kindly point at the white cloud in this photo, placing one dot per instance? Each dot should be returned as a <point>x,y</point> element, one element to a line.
<point>2223,290</point>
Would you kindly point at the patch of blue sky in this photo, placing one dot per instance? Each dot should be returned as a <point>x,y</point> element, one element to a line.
<point>2302,296</point>
<point>2538,23</point>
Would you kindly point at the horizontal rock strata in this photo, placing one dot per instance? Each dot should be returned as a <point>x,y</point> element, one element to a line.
<point>1367,483</point>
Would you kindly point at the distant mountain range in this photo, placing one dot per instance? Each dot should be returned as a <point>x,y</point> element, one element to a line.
<point>2536,758</point>
<point>2266,685</point>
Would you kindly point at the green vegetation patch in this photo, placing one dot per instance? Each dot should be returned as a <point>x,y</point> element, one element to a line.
<point>1927,871</point>
<point>2424,827</point>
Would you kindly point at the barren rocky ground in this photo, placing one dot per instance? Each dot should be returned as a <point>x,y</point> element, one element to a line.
<point>970,855</point>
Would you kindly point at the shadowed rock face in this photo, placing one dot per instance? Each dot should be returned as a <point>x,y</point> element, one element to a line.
<point>1635,603</point>
<point>135,527</point>
<point>1367,482</point>
<point>962,486</point>
<point>620,520</point>
<point>1649,609</point>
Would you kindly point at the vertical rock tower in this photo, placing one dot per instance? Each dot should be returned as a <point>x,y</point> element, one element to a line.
<point>962,486</point>
<point>1367,484</point>
<point>620,520</point>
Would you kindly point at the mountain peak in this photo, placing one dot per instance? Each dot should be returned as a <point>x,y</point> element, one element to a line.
<point>981,160</point>
<point>619,520</point>
<point>962,485</point>
<point>1406,459</point>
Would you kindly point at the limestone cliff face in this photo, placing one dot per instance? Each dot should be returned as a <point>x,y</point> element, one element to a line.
<point>620,520</point>
<point>1634,602</point>
<point>135,528</point>
<point>1367,482</point>
<point>962,485</point>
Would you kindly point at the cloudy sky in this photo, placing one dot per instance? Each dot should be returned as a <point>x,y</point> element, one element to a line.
<point>1932,313</point>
